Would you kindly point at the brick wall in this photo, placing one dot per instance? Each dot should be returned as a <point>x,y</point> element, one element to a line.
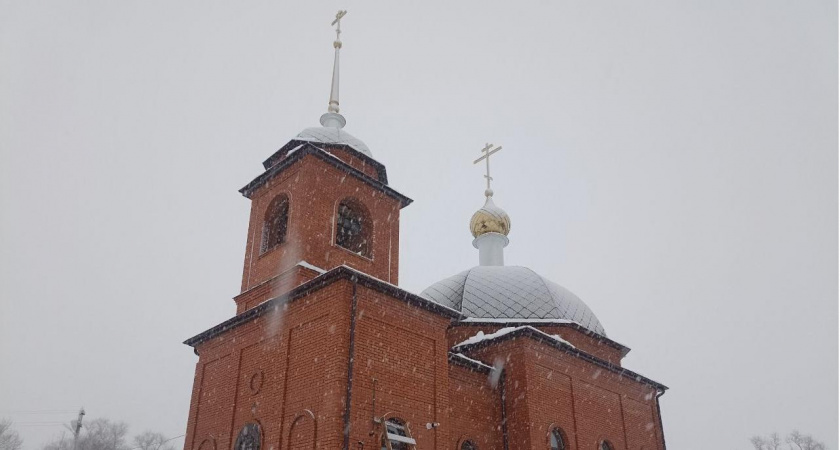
<point>275,370</point>
<point>404,348</point>
<point>475,409</point>
<point>546,387</point>
<point>315,188</point>
<point>287,371</point>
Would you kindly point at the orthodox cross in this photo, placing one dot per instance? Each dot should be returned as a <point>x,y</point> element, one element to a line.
<point>487,152</point>
<point>337,22</point>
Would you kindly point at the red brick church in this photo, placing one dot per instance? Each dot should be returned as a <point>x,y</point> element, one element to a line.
<point>327,352</point>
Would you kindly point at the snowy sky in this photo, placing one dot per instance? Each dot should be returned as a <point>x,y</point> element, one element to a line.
<point>672,163</point>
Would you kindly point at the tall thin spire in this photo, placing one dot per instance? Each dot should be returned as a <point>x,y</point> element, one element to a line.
<point>332,118</point>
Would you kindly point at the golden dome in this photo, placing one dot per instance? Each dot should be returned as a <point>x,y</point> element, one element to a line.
<point>490,219</point>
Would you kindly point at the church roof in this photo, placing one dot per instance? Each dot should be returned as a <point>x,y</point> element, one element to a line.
<point>277,163</point>
<point>333,135</point>
<point>557,342</point>
<point>511,292</point>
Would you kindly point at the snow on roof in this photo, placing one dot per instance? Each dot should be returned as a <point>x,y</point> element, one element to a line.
<point>471,360</point>
<point>294,149</point>
<point>401,289</point>
<point>305,264</point>
<point>511,292</point>
<point>333,135</point>
<point>480,336</point>
<point>514,320</point>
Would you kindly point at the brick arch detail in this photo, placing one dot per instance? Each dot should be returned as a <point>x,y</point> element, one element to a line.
<point>302,416</point>
<point>264,218</point>
<point>551,427</point>
<point>463,438</point>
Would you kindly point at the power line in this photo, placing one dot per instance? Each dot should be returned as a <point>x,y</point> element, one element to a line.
<point>163,442</point>
<point>37,422</point>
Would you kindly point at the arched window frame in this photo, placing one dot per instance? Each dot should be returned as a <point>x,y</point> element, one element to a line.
<point>467,444</point>
<point>353,227</point>
<point>605,445</point>
<point>275,223</point>
<point>298,420</point>
<point>396,435</point>
<point>249,437</point>
<point>556,434</point>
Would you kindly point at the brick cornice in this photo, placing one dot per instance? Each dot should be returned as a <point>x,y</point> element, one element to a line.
<point>310,149</point>
<point>547,340</point>
<point>516,323</point>
<point>469,363</point>
<point>380,168</point>
<point>339,273</point>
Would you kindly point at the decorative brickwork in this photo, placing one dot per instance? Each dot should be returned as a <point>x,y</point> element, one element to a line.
<point>325,349</point>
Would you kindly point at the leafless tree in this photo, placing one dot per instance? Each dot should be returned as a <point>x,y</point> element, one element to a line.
<point>64,441</point>
<point>9,438</point>
<point>795,441</point>
<point>803,441</point>
<point>150,440</point>
<point>97,434</point>
<point>102,434</point>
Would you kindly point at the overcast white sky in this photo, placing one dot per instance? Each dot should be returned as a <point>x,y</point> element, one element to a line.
<point>672,163</point>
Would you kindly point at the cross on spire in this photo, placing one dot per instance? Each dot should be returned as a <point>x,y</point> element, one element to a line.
<point>337,22</point>
<point>332,118</point>
<point>486,157</point>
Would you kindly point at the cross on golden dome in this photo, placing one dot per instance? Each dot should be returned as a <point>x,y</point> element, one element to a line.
<point>486,157</point>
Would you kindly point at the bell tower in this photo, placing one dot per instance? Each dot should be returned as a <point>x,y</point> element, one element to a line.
<point>322,201</point>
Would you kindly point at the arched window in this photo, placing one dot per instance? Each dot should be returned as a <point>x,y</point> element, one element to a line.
<point>397,436</point>
<point>557,439</point>
<point>275,223</point>
<point>605,445</point>
<point>353,227</point>
<point>248,438</point>
<point>468,445</point>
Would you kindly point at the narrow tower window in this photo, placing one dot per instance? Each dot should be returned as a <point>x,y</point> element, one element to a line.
<point>605,445</point>
<point>276,223</point>
<point>468,445</point>
<point>558,440</point>
<point>397,436</point>
<point>249,438</point>
<point>353,227</point>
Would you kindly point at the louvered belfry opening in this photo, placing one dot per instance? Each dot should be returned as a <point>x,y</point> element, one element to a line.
<point>276,223</point>
<point>353,227</point>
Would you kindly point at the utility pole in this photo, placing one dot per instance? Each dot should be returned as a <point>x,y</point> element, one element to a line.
<point>77,426</point>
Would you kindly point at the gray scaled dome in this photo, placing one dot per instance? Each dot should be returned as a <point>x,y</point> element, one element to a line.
<point>333,135</point>
<point>511,292</point>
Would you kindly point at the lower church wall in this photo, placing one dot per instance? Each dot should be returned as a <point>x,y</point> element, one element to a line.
<point>474,409</point>
<point>403,348</point>
<point>589,403</point>
<point>547,388</point>
<point>285,370</point>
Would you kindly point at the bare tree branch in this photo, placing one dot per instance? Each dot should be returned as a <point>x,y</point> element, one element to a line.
<point>9,438</point>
